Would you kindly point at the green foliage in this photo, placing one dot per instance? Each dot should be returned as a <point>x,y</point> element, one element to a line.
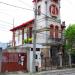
<point>70,37</point>
<point>27,40</point>
<point>70,32</point>
<point>73,52</point>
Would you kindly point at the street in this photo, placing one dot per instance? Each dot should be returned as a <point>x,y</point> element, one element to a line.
<point>52,72</point>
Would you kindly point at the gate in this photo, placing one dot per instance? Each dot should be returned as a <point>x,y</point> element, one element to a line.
<point>14,62</point>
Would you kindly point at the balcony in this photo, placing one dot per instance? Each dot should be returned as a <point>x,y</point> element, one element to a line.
<point>55,41</point>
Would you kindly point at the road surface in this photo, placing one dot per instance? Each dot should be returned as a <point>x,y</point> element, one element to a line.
<point>52,72</point>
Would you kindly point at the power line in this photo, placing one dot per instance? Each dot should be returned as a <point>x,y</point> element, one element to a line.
<point>3,29</point>
<point>18,7</point>
<point>6,14</point>
<point>21,1</point>
<point>5,22</point>
<point>22,8</point>
<point>15,6</point>
<point>4,25</point>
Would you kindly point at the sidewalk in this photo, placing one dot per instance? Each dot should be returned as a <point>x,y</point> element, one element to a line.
<point>51,72</point>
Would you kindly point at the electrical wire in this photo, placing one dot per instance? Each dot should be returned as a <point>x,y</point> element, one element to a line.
<point>3,29</point>
<point>4,25</point>
<point>22,8</point>
<point>15,6</point>
<point>5,22</point>
<point>21,1</point>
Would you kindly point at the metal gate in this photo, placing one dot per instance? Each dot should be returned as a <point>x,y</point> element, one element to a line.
<point>14,62</point>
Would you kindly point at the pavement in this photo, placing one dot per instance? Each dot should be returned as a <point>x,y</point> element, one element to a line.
<point>70,71</point>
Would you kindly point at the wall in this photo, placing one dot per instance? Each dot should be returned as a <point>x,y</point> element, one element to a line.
<point>43,22</point>
<point>37,60</point>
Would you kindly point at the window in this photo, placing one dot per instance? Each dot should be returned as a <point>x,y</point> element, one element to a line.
<point>56,31</point>
<point>18,36</point>
<point>39,10</point>
<point>51,31</point>
<point>37,0</point>
<point>37,49</point>
<point>22,36</point>
<point>29,34</point>
<point>53,10</point>
<point>36,56</point>
<point>56,1</point>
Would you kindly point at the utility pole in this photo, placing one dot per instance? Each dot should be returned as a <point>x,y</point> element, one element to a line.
<point>34,37</point>
<point>13,35</point>
<point>46,17</point>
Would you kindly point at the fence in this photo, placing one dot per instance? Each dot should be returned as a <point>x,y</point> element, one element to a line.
<point>50,64</point>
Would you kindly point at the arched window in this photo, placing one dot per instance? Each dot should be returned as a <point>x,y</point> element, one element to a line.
<point>39,10</point>
<point>54,10</point>
<point>56,1</point>
<point>37,0</point>
<point>51,31</point>
<point>56,32</point>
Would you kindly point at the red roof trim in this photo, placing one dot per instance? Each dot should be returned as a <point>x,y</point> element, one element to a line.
<point>22,25</point>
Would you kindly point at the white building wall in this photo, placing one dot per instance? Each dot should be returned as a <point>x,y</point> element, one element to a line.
<point>43,9</point>
<point>41,38</point>
<point>28,61</point>
<point>37,60</point>
<point>42,22</point>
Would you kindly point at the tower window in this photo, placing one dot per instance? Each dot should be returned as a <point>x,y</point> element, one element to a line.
<point>56,1</point>
<point>51,31</point>
<point>54,10</point>
<point>56,32</point>
<point>37,0</point>
<point>39,10</point>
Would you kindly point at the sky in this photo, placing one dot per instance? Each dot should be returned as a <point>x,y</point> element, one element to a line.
<point>10,15</point>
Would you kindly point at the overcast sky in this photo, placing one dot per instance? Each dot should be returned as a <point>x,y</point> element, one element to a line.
<point>9,13</point>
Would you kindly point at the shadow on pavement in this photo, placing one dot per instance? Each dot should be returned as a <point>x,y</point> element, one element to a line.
<point>3,74</point>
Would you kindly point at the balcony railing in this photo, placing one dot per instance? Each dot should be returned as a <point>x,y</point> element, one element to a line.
<point>55,41</point>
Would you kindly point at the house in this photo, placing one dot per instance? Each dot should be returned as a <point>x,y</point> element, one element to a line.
<point>49,30</point>
<point>17,57</point>
<point>20,34</point>
<point>48,37</point>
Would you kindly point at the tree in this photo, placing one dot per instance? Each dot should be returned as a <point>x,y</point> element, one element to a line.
<point>70,36</point>
<point>70,40</point>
